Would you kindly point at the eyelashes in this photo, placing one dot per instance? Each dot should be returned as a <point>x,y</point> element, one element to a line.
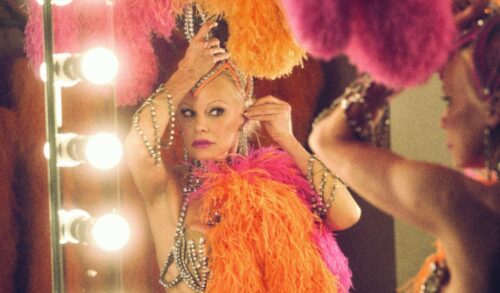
<point>187,113</point>
<point>214,112</point>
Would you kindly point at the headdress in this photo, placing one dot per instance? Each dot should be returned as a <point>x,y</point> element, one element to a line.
<point>258,39</point>
<point>190,22</point>
<point>243,82</point>
<point>399,43</point>
<point>485,73</point>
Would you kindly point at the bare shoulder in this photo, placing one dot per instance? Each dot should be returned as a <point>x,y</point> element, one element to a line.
<point>489,196</point>
<point>431,193</point>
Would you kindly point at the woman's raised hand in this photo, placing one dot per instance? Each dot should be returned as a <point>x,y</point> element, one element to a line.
<point>202,53</point>
<point>275,116</point>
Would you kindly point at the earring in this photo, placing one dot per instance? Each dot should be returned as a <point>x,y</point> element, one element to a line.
<point>185,155</point>
<point>488,164</point>
<point>243,142</point>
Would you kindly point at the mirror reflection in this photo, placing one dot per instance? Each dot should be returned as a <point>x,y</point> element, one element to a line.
<point>263,150</point>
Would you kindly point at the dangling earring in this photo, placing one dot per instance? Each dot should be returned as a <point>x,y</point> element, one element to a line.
<point>185,155</point>
<point>243,142</point>
<point>488,164</point>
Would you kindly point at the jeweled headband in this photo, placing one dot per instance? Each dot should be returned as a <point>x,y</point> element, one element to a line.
<point>243,82</point>
<point>190,21</point>
<point>478,36</point>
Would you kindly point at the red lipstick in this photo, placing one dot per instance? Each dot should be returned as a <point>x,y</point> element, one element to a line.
<point>201,143</point>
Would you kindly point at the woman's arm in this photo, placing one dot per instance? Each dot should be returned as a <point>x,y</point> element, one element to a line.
<point>151,120</point>
<point>274,115</point>
<point>414,191</point>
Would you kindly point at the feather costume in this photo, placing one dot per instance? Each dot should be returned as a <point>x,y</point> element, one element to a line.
<point>268,240</point>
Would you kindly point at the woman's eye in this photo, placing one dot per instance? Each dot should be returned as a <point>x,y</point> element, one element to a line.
<point>216,112</point>
<point>187,113</point>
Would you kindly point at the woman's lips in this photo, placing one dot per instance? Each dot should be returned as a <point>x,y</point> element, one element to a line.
<point>201,143</point>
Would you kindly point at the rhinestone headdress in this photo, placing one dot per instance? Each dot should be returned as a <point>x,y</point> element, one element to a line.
<point>190,21</point>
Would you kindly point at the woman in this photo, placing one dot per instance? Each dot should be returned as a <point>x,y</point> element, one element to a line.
<point>461,212</point>
<point>228,222</point>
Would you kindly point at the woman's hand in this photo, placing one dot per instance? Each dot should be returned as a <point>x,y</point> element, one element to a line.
<point>275,116</point>
<point>202,53</point>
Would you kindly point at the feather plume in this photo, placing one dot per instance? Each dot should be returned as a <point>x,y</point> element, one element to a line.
<point>268,239</point>
<point>401,43</point>
<point>321,27</point>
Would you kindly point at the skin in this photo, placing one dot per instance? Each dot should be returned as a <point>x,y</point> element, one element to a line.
<point>437,199</point>
<point>215,115</point>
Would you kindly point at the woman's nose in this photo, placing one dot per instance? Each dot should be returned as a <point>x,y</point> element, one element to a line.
<point>200,124</point>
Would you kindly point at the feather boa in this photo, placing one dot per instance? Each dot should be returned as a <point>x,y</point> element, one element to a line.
<point>268,240</point>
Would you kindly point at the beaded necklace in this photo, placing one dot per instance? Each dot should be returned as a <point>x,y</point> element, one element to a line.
<point>438,277</point>
<point>191,261</point>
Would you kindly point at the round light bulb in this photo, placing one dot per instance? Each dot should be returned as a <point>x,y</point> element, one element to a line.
<point>103,151</point>
<point>99,65</point>
<point>110,232</point>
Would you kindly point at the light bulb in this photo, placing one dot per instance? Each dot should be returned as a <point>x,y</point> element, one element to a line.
<point>103,151</point>
<point>110,232</point>
<point>99,65</point>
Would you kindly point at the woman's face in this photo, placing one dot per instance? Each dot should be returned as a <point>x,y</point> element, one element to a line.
<point>211,121</point>
<point>466,116</point>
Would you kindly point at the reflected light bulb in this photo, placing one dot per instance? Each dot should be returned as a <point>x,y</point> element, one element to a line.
<point>99,65</point>
<point>110,232</point>
<point>103,151</point>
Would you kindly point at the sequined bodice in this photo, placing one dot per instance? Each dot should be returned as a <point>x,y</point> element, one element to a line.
<point>188,255</point>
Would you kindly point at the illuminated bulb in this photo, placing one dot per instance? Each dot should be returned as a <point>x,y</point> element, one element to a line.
<point>110,232</point>
<point>56,2</point>
<point>103,151</point>
<point>99,66</point>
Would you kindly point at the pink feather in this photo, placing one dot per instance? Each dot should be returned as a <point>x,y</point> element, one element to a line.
<point>126,26</point>
<point>65,31</point>
<point>401,43</point>
<point>321,27</point>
